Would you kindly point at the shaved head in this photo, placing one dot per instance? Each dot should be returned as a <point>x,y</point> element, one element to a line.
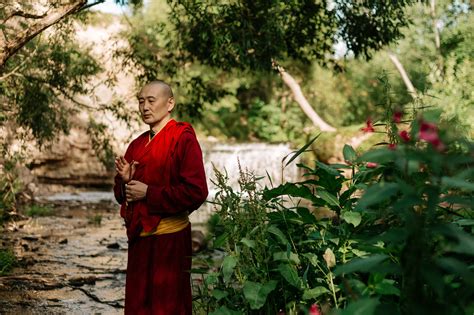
<point>164,87</point>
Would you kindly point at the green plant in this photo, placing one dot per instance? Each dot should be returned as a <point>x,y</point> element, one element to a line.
<point>36,210</point>
<point>95,219</point>
<point>389,231</point>
<point>7,261</point>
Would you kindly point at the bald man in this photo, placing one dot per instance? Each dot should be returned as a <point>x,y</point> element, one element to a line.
<point>159,182</point>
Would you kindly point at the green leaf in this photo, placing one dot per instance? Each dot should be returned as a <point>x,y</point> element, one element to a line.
<point>223,310</point>
<point>349,153</point>
<point>228,266</point>
<point>278,233</point>
<point>211,278</point>
<point>328,197</point>
<point>361,264</point>
<point>458,268</point>
<point>220,240</point>
<point>283,256</point>
<point>313,258</point>
<point>376,194</point>
<point>464,241</point>
<point>387,287</point>
<point>314,293</point>
<point>328,169</point>
<point>301,150</point>
<point>256,293</point>
<point>290,275</point>
<point>364,306</point>
<point>306,216</point>
<point>378,156</point>
<point>219,294</point>
<point>352,217</point>
<point>249,243</point>
<point>452,182</point>
<point>289,189</point>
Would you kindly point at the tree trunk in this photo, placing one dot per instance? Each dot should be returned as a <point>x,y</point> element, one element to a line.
<point>303,102</point>
<point>11,42</point>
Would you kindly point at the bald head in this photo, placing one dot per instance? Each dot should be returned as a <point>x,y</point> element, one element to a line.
<point>161,86</point>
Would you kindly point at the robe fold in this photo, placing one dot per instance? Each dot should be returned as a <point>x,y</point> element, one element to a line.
<point>158,278</point>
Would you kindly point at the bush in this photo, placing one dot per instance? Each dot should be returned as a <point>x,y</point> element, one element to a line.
<point>397,240</point>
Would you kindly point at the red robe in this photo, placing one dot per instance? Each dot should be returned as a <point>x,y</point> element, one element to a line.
<point>158,278</point>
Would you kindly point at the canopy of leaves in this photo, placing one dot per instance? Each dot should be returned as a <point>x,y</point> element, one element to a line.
<point>249,34</point>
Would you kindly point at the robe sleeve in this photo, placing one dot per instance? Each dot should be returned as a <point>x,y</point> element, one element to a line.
<point>119,187</point>
<point>190,191</point>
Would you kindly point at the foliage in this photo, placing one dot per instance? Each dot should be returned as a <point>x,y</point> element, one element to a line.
<point>237,34</point>
<point>34,90</point>
<point>7,261</point>
<point>389,231</point>
<point>36,210</point>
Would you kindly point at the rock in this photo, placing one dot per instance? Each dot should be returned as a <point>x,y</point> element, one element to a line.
<point>198,241</point>
<point>113,246</point>
<point>63,241</point>
<point>80,281</point>
<point>30,237</point>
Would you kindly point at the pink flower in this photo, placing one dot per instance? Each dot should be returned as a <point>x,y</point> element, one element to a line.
<point>369,127</point>
<point>392,146</point>
<point>429,133</point>
<point>404,135</point>
<point>371,165</point>
<point>397,117</point>
<point>314,310</point>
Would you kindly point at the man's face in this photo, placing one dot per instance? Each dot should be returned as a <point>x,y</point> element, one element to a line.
<point>154,104</point>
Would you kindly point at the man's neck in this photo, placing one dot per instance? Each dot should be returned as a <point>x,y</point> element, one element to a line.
<point>159,125</point>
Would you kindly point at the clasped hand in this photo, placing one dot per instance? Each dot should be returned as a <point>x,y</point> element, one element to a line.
<point>134,190</point>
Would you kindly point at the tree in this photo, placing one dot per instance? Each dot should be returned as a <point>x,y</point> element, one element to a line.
<point>23,20</point>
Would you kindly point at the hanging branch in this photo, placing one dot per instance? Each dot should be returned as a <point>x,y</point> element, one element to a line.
<point>301,100</point>
<point>411,89</point>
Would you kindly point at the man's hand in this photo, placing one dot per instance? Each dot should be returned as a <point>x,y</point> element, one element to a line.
<point>125,169</point>
<point>135,190</point>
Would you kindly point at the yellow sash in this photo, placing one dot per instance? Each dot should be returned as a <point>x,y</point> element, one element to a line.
<point>171,224</point>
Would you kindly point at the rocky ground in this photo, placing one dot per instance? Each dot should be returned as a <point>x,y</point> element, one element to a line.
<point>73,260</point>
<point>68,263</point>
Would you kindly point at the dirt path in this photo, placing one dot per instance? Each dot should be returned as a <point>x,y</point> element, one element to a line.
<point>68,264</point>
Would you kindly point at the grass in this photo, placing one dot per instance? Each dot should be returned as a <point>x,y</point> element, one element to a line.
<point>7,261</point>
<point>95,219</point>
<point>39,211</point>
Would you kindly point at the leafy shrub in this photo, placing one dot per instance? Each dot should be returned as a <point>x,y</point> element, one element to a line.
<point>388,232</point>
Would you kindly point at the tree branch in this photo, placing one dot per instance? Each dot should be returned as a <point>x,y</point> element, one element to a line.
<point>25,15</point>
<point>411,89</point>
<point>8,49</point>
<point>302,101</point>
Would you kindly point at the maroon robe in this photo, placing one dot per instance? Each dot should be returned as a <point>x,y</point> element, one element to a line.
<point>158,278</point>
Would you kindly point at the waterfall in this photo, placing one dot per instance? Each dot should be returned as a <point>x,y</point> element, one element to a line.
<point>259,158</point>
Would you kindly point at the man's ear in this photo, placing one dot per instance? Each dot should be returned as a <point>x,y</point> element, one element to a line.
<point>171,104</point>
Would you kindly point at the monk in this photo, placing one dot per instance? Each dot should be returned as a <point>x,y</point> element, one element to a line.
<point>159,182</point>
